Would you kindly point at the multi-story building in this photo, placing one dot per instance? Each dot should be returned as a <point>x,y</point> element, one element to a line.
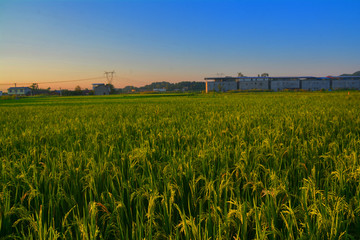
<point>224,84</point>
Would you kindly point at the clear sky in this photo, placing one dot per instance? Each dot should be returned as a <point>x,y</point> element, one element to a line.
<point>147,41</point>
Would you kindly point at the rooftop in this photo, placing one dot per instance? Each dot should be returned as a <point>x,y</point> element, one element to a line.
<point>273,78</point>
<point>14,88</point>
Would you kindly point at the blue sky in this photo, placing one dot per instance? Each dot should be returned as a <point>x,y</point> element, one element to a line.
<point>147,41</point>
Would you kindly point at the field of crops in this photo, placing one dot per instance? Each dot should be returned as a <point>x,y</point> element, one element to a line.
<point>215,166</point>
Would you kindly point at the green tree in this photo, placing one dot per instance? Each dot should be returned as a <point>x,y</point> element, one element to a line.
<point>112,88</point>
<point>34,87</point>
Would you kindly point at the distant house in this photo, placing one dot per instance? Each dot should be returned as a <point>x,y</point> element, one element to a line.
<point>19,91</point>
<point>159,90</point>
<point>101,89</point>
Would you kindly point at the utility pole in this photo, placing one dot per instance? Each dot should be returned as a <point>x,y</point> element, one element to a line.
<point>109,76</point>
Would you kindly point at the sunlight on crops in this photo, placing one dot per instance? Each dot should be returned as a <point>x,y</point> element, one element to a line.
<point>216,166</point>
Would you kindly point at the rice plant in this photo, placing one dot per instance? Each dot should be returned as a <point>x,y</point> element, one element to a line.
<point>207,166</point>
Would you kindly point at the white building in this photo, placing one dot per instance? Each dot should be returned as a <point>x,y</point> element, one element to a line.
<point>159,90</point>
<point>19,91</point>
<point>265,83</point>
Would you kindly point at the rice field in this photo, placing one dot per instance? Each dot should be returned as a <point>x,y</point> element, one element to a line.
<point>204,166</point>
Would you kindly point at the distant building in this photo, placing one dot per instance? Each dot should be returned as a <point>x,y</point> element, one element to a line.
<point>101,89</point>
<point>266,83</point>
<point>159,90</point>
<point>0,93</point>
<point>19,91</point>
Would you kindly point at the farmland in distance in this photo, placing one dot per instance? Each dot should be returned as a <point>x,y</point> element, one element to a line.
<point>204,166</point>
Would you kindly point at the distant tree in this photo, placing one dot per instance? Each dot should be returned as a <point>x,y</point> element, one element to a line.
<point>78,88</point>
<point>112,88</point>
<point>354,74</point>
<point>128,89</point>
<point>34,87</point>
<point>180,86</point>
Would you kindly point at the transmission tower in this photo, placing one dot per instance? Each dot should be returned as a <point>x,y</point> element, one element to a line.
<point>109,76</point>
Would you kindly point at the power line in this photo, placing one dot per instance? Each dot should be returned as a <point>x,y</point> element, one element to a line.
<point>63,81</point>
<point>76,80</point>
<point>130,80</point>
